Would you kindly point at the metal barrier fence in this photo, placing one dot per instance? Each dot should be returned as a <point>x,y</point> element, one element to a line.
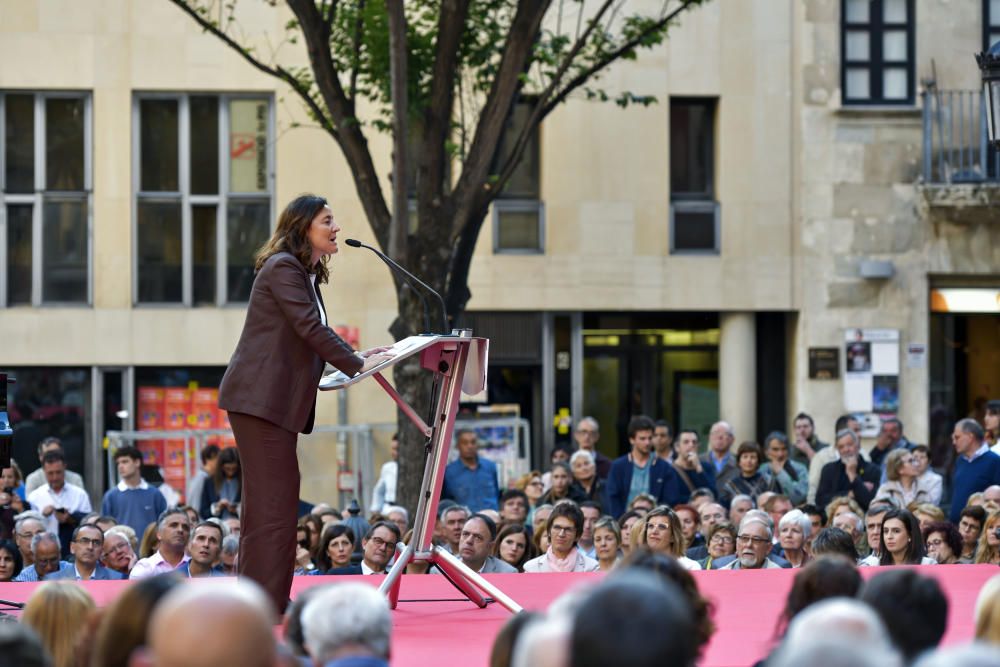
<point>954,136</point>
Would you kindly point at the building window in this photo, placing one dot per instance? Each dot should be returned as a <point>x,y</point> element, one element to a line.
<point>518,213</point>
<point>877,45</point>
<point>694,212</point>
<point>204,183</point>
<point>45,190</point>
<point>991,23</point>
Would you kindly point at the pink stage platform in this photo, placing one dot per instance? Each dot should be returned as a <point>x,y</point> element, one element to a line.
<point>431,630</point>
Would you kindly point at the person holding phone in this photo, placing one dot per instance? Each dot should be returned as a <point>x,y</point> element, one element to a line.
<point>270,385</point>
<point>62,504</point>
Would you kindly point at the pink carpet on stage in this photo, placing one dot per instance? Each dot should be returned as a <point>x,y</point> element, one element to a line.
<point>431,628</point>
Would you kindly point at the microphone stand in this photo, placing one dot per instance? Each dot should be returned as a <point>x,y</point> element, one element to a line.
<point>354,243</point>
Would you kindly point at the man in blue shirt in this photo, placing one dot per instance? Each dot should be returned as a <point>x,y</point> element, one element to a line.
<point>976,467</point>
<point>45,548</point>
<point>205,548</point>
<point>132,502</point>
<point>471,480</point>
<point>639,472</point>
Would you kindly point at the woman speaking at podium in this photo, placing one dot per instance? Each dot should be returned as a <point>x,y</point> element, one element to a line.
<point>270,386</point>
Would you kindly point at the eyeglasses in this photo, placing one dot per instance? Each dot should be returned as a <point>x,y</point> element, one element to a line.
<point>88,542</point>
<point>28,536</point>
<point>722,539</point>
<point>746,539</point>
<point>535,483</point>
<point>48,561</point>
<point>379,542</point>
<point>563,530</point>
<point>585,431</point>
<point>657,527</point>
<point>121,546</point>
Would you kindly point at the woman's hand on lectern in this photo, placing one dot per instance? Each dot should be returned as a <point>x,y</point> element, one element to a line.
<point>374,360</point>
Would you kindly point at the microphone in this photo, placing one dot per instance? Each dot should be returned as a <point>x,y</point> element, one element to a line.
<point>354,243</point>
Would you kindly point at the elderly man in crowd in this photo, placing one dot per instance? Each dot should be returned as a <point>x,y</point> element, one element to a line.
<point>117,553</point>
<point>230,554</point>
<point>976,467</point>
<point>204,549</point>
<point>719,460</point>
<point>348,626</point>
<point>873,531</point>
<point>753,544</point>
<point>453,518</point>
<point>850,476</point>
<point>852,524</point>
<point>738,507</point>
<point>87,546</point>
<point>172,531</point>
<point>586,434</point>
<point>213,624</point>
<point>45,549</point>
<point>378,546</point>
<point>709,515</point>
<point>476,544</point>
<point>27,525</point>
<point>829,454</point>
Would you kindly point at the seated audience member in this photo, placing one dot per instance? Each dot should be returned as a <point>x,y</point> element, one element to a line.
<point>513,546</point>
<point>976,467</point>
<point>793,534</point>
<point>753,544</point>
<point>838,632</point>
<point>642,503</point>
<point>562,486</point>
<point>533,487</point>
<point>31,523</point>
<point>513,507</point>
<point>912,607</point>
<point>58,612</point>
<point>927,514</point>
<point>660,531</point>
<point>204,549</point>
<point>816,516</point>
<point>926,477</point>
<point>335,548</point>
<point>10,561</point>
<point>117,553</point>
<point>87,547</point>
<point>970,527</point>
<point>586,483</point>
<point>721,544</point>
<point>225,623</point>
<point>122,628</point>
<point>853,525</point>
<point>150,542</point>
<point>845,504</point>
<point>562,530</point>
<point>991,498</point>
<point>903,486</point>
<point>502,653</point>
<point>476,546</point>
<point>690,526</point>
<point>700,496</point>
<point>823,578</point>
<point>988,552</point>
<point>626,522</point>
<point>292,631</point>
<point>834,542</point>
<point>133,501</point>
<point>988,612</point>
<point>543,642</point>
<point>398,515</point>
<point>172,531</point>
<point>620,621</point>
<point>777,505</point>
<point>21,647</point>
<point>738,507</point>
<point>540,539</point>
<point>378,546</point>
<point>943,543</point>
<point>709,514</point>
<point>451,522</point>
<point>873,530</point>
<point>45,550</point>
<point>900,542</point>
<point>591,513</point>
<point>230,554</point>
<point>749,481</point>
<point>784,475</point>
<point>850,476</point>
<point>607,543</point>
<point>540,515</point>
<point>348,626</point>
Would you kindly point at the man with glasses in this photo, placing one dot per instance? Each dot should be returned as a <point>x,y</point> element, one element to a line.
<point>45,549</point>
<point>87,546</point>
<point>753,544</point>
<point>378,547</point>
<point>117,552</point>
<point>26,526</point>
<point>586,434</point>
<point>709,515</point>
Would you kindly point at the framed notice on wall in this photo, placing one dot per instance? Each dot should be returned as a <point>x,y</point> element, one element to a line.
<point>824,363</point>
<point>871,371</point>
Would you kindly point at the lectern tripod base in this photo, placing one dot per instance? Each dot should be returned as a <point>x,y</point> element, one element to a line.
<point>472,584</point>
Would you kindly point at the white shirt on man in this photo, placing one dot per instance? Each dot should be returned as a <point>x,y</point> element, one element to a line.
<point>71,498</point>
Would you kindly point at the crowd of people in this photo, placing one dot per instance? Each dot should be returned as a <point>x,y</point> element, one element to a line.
<point>660,509</point>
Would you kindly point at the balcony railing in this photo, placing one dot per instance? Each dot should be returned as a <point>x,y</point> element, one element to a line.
<point>955,147</point>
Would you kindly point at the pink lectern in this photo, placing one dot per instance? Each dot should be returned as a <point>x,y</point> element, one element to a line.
<point>458,362</point>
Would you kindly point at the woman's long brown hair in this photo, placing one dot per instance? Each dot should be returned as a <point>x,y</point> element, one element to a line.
<point>291,235</point>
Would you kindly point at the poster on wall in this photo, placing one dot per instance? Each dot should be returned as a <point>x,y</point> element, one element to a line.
<point>871,372</point>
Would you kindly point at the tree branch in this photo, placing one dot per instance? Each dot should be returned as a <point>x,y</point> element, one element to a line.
<point>359,29</point>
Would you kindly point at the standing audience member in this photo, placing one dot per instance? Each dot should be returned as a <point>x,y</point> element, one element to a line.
<point>204,549</point>
<point>976,467</point>
<point>513,546</point>
<point>133,502</point>
<point>471,480</point>
<point>890,438</point>
<point>912,607</point>
<point>226,624</point>
<point>807,445</point>
<point>37,479</point>
<point>850,475</point>
<point>749,481</point>
<point>62,504</point>
<point>639,472</point>
<point>221,496</point>
<point>927,478</point>
<point>692,473</point>
<point>719,458</point>
<point>585,479</point>
<point>784,475</point>
<point>172,532</point>
<point>87,547</point>
<point>58,611</point>
<point>384,493</point>
<point>988,552</point>
<point>193,494</point>
<point>586,435</point>
<point>663,438</point>
<point>563,528</point>
<point>348,626</point>
<point>10,561</point>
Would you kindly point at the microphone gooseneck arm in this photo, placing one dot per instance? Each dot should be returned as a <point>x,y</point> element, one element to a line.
<point>354,243</point>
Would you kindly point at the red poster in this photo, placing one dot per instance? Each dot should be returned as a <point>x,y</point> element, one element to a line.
<point>150,418</point>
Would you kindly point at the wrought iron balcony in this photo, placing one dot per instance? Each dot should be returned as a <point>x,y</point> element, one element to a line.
<point>955,146</point>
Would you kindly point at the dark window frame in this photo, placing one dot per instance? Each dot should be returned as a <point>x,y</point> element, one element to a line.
<point>989,27</point>
<point>702,201</point>
<point>876,28</point>
<point>519,203</point>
